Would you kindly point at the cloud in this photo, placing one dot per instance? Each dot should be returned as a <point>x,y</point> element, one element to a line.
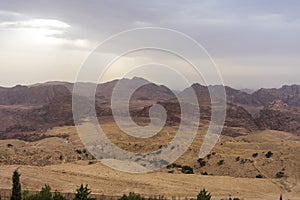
<point>44,32</point>
<point>45,26</point>
<point>232,31</point>
<point>9,13</point>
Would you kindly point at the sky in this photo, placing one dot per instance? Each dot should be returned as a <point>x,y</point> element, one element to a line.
<point>254,43</point>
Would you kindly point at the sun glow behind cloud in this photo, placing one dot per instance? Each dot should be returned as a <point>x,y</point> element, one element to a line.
<point>43,32</point>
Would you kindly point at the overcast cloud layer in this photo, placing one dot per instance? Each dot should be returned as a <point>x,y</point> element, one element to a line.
<point>255,43</point>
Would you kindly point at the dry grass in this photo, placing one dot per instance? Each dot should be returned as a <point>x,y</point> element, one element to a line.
<point>104,180</point>
<point>234,177</point>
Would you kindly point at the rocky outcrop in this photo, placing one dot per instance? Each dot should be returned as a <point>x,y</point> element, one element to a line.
<point>37,95</point>
<point>279,116</point>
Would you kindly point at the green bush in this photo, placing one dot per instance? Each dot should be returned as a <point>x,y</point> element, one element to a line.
<point>254,155</point>
<point>204,195</point>
<point>269,154</point>
<point>220,162</point>
<point>187,170</point>
<point>44,194</point>
<point>78,151</point>
<point>174,165</point>
<point>58,196</point>
<point>280,174</point>
<point>132,196</point>
<point>202,162</point>
<point>204,173</point>
<point>83,193</point>
<point>259,176</point>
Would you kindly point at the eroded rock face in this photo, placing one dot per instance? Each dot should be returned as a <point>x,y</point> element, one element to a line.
<point>37,95</point>
<point>287,94</point>
<point>40,107</point>
<point>279,116</point>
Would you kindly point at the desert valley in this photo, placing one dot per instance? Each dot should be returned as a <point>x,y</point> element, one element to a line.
<point>256,157</point>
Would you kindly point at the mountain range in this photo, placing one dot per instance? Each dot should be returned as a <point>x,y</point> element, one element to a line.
<point>42,106</point>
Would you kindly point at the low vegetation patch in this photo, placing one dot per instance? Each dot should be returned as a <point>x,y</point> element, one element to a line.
<point>187,170</point>
<point>220,162</point>
<point>254,155</point>
<point>269,154</point>
<point>201,162</point>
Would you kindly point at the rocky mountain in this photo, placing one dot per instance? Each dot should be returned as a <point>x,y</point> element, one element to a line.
<point>18,121</point>
<point>24,95</point>
<point>287,94</point>
<point>42,106</point>
<point>232,95</point>
<point>279,116</point>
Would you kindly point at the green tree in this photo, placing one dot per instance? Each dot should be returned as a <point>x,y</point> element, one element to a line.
<point>25,194</point>
<point>83,193</point>
<point>16,193</point>
<point>45,193</point>
<point>57,196</point>
<point>132,196</point>
<point>204,195</point>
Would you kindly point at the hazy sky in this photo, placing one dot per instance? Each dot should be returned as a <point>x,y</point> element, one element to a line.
<point>255,43</point>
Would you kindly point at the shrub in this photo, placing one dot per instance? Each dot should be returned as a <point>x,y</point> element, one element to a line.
<point>269,154</point>
<point>204,173</point>
<point>58,196</point>
<point>83,193</point>
<point>45,193</point>
<point>204,195</point>
<point>173,165</point>
<point>220,162</point>
<point>254,155</point>
<point>78,151</point>
<point>132,196</point>
<point>9,145</point>
<point>259,176</point>
<point>25,194</point>
<point>280,174</point>
<point>187,170</point>
<point>202,162</point>
<point>16,186</point>
<point>237,158</point>
<point>91,162</point>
